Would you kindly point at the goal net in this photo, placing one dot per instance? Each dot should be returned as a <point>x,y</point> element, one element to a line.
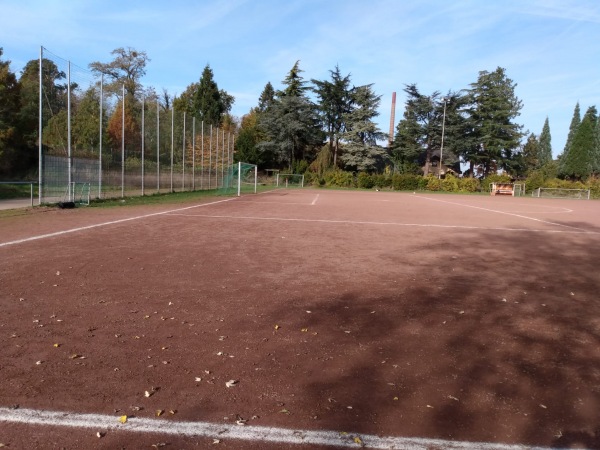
<point>580,194</point>
<point>289,180</point>
<point>241,178</point>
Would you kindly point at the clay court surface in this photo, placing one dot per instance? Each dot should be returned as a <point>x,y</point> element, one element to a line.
<point>428,321</point>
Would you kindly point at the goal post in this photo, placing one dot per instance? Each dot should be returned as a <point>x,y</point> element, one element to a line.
<point>577,194</point>
<point>240,178</point>
<point>289,180</point>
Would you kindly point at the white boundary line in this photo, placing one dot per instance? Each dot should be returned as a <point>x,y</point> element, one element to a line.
<point>112,222</point>
<point>360,222</point>
<point>503,212</point>
<point>103,423</point>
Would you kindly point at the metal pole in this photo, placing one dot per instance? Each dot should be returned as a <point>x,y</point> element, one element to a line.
<point>193,153</point>
<point>223,158</point>
<point>172,142</point>
<point>40,164</point>
<point>69,154</point>
<point>202,160</point>
<point>442,145</point>
<point>228,149</point>
<point>183,157</point>
<point>217,162</point>
<point>100,131</point>
<point>239,179</point>
<point>255,177</point>
<point>123,146</point>
<point>210,158</point>
<point>157,146</point>
<point>143,131</point>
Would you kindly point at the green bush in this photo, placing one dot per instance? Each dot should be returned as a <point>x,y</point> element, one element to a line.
<point>382,181</point>
<point>405,182</point>
<point>423,181</point>
<point>365,181</point>
<point>469,184</point>
<point>433,184</point>
<point>339,178</point>
<point>450,184</point>
<point>593,184</point>
<point>300,166</point>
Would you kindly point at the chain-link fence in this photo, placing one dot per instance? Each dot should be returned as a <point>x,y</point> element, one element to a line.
<point>116,143</point>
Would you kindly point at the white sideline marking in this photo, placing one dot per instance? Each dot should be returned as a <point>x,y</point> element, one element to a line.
<point>112,222</point>
<point>359,222</point>
<point>314,202</point>
<point>101,422</point>
<point>507,213</point>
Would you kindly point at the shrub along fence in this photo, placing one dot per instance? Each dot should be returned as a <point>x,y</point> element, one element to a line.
<point>411,182</point>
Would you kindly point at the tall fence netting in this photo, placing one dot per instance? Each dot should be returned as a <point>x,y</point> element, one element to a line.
<point>117,143</point>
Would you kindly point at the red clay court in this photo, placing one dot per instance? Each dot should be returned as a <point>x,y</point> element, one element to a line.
<point>341,318</point>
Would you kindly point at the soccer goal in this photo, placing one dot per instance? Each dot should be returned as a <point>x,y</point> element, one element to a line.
<point>240,178</point>
<point>289,180</point>
<point>579,194</point>
<point>76,193</point>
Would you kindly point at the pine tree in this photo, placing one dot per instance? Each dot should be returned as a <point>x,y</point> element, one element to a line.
<point>361,151</point>
<point>207,103</point>
<point>290,124</point>
<point>575,121</point>
<point>578,161</point>
<point>545,148</point>
<point>494,106</point>
<point>596,150</point>
<point>531,153</point>
<point>267,97</point>
<point>334,103</point>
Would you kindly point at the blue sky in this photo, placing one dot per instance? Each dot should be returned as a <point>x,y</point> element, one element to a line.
<point>550,48</point>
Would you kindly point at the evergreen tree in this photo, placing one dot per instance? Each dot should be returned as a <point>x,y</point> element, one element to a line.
<point>545,147</point>
<point>595,157</point>
<point>295,86</point>
<point>207,103</point>
<point>578,162</point>
<point>361,151</point>
<point>575,121</point>
<point>290,124</point>
<point>419,133</point>
<point>493,107</point>
<point>531,153</point>
<point>334,104</point>
<point>267,97</point>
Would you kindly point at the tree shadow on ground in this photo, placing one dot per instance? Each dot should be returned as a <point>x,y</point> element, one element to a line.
<point>494,337</point>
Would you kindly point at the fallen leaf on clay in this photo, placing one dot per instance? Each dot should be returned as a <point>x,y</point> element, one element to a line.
<point>231,383</point>
<point>276,327</point>
<point>100,434</point>
<point>357,440</point>
<point>123,419</point>
<point>159,412</point>
<point>304,330</point>
<point>56,345</point>
<point>198,379</point>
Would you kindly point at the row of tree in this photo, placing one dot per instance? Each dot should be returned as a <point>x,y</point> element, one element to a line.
<point>121,77</point>
<point>312,125</point>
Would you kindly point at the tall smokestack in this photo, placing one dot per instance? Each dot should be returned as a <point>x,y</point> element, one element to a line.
<point>392,120</point>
